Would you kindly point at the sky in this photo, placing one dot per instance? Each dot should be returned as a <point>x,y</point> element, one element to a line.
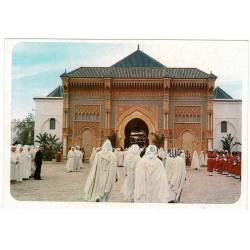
<point>37,66</point>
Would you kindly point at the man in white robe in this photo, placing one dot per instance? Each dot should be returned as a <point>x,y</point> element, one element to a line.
<point>183,156</point>
<point>13,165</point>
<point>151,183</point>
<point>70,165</point>
<point>130,162</point>
<point>177,179</point>
<point>78,158</point>
<point>26,169</point>
<point>102,175</point>
<point>33,155</point>
<point>162,155</point>
<point>169,166</point>
<point>195,164</point>
<point>92,156</point>
<point>202,159</point>
<point>21,164</point>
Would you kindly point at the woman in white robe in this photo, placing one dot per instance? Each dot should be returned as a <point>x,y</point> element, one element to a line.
<point>102,175</point>
<point>202,159</point>
<point>195,164</point>
<point>151,183</point>
<point>70,166</point>
<point>130,162</point>
<point>177,178</point>
<point>78,158</point>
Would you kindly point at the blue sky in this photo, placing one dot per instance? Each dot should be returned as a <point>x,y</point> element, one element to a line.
<point>36,66</point>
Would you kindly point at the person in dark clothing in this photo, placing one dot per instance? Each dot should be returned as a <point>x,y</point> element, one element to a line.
<point>38,162</point>
<point>143,152</point>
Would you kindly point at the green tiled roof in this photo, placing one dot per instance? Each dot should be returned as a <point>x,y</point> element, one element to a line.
<point>138,59</point>
<point>221,94</point>
<point>137,72</point>
<point>56,92</point>
<point>138,65</point>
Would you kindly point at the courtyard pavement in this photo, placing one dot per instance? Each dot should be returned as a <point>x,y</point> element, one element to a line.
<point>57,185</point>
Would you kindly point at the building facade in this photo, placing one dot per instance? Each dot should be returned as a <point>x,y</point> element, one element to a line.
<point>227,118</point>
<point>137,94</point>
<point>49,114</point>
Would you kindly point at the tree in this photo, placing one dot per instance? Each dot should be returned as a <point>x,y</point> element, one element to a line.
<point>25,130</point>
<point>50,144</point>
<point>158,140</point>
<point>228,144</point>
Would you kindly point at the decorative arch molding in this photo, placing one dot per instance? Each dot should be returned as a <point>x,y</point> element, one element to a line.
<point>125,119</point>
<point>143,113</point>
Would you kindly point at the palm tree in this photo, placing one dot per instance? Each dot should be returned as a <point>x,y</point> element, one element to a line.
<point>158,140</point>
<point>227,143</point>
<point>42,139</point>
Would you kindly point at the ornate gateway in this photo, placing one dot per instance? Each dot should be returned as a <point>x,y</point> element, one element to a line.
<point>135,98</point>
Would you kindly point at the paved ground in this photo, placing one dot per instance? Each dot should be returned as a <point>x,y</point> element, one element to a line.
<point>57,185</point>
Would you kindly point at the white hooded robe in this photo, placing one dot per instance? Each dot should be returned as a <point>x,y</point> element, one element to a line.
<point>151,183</point>
<point>195,164</point>
<point>70,166</point>
<point>102,175</point>
<point>130,162</point>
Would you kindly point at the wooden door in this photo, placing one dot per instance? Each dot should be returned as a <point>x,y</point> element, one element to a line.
<point>187,141</point>
<point>87,142</point>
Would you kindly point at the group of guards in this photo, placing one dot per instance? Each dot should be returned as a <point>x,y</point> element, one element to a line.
<point>224,163</point>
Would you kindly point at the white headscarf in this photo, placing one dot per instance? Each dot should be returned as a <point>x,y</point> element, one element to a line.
<point>151,152</point>
<point>134,149</point>
<point>107,146</point>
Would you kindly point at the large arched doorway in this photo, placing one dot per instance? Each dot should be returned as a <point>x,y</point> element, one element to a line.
<point>87,141</point>
<point>187,141</point>
<point>136,132</point>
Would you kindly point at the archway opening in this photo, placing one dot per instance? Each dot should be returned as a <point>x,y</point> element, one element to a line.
<point>136,132</point>
<point>187,141</point>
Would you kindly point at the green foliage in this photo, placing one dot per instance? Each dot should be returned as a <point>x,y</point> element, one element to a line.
<point>112,138</point>
<point>227,143</point>
<point>50,144</point>
<point>158,139</point>
<point>25,131</point>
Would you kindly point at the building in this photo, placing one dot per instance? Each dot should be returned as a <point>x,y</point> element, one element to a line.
<point>138,93</point>
<point>134,98</point>
<point>48,113</point>
<point>227,118</point>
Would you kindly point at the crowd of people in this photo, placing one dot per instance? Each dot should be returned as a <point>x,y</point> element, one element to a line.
<point>151,175</point>
<point>25,163</point>
<point>75,159</point>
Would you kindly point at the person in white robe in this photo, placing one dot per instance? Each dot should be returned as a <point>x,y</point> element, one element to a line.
<point>151,183</point>
<point>183,156</point>
<point>202,159</point>
<point>21,165</point>
<point>78,158</point>
<point>92,156</point>
<point>26,169</point>
<point>33,155</point>
<point>168,166</point>
<point>120,158</point>
<point>130,162</point>
<point>205,161</point>
<point>102,175</point>
<point>177,179</point>
<point>70,165</point>
<point>13,165</point>
<point>162,155</point>
<point>195,164</point>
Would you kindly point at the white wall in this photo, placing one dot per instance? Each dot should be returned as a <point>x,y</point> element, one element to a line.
<point>229,111</point>
<point>46,108</point>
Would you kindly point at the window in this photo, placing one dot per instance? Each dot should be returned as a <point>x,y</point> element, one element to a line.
<point>223,127</point>
<point>52,123</point>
